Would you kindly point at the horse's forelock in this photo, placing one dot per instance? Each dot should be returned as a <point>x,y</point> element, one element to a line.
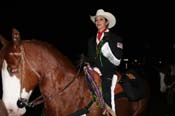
<point>16,37</point>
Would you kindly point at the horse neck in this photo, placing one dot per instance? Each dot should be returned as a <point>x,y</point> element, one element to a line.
<point>46,59</point>
<point>54,69</point>
<point>60,78</point>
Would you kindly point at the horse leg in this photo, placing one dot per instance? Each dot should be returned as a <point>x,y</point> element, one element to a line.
<point>139,107</point>
<point>123,107</point>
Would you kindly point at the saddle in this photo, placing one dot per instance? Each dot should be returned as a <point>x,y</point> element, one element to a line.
<point>133,85</point>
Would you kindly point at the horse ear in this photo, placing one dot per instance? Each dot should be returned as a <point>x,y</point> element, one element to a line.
<point>15,36</point>
<point>3,40</point>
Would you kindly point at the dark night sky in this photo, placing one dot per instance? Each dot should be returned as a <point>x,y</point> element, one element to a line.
<point>147,27</point>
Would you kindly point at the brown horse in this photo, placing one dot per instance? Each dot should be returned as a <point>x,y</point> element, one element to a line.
<point>28,63</point>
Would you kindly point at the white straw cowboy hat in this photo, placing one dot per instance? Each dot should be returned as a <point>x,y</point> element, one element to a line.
<point>110,17</point>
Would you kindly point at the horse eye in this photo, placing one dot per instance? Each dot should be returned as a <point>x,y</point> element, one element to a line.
<point>8,68</point>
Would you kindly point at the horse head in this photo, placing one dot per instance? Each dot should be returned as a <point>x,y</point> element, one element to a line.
<point>16,91</point>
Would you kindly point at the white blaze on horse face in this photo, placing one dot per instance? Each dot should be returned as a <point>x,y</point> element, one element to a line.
<point>163,86</point>
<point>11,92</point>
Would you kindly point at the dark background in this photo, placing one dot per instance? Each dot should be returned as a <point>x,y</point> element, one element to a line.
<point>147,27</point>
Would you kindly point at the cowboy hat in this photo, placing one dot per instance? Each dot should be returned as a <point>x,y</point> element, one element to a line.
<point>110,17</point>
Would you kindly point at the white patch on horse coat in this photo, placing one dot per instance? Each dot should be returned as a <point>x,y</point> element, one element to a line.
<point>163,86</point>
<point>11,91</point>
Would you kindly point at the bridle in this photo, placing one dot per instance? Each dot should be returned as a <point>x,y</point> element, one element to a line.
<point>23,102</point>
